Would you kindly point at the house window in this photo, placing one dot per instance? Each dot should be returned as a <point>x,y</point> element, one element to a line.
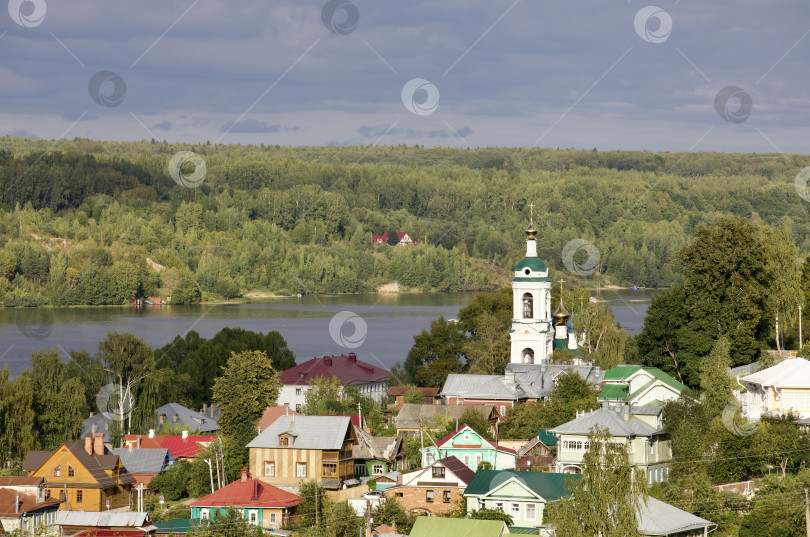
<point>466,460</point>
<point>57,471</point>
<point>438,471</point>
<point>47,494</point>
<point>499,506</point>
<point>70,471</point>
<point>272,518</point>
<point>203,514</point>
<point>253,517</point>
<point>61,495</point>
<point>398,494</point>
<point>515,511</point>
<point>300,469</point>
<point>360,469</point>
<point>330,469</point>
<point>652,447</point>
<point>429,496</point>
<point>283,441</point>
<point>269,469</point>
<point>649,477</point>
<point>531,511</point>
<point>429,458</point>
<point>446,496</point>
<point>79,495</point>
<point>477,461</point>
<point>378,469</point>
<point>298,391</point>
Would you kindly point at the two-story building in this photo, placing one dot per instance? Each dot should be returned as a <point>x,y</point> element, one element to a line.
<point>472,449</point>
<point>370,379</point>
<point>433,490</point>
<point>301,448</point>
<point>639,386</point>
<point>24,507</point>
<point>261,504</point>
<point>522,495</point>
<point>83,474</point>
<point>639,428</point>
<point>780,389</point>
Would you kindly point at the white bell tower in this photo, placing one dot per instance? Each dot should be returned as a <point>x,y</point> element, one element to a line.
<point>531,333</point>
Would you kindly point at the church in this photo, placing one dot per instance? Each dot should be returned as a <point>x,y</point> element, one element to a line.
<point>536,332</point>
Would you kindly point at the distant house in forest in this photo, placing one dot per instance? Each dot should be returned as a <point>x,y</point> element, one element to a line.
<point>404,239</point>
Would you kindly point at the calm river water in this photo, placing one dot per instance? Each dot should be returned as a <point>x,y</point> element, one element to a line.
<point>379,328</point>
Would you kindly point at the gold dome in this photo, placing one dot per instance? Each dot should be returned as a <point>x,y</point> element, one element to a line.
<point>561,314</point>
<point>531,231</point>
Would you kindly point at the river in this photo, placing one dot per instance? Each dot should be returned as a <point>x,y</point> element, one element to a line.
<point>379,328</point>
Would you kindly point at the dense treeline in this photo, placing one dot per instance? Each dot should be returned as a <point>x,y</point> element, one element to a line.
<point>78,215</point>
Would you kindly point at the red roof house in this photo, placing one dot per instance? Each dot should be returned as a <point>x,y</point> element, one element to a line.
<point>263,504</point>
<point>180,447</point>
<point>403,238</point>
<point>271,414</point>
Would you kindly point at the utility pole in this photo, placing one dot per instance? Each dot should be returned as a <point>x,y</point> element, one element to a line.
<point>211,473</point>
<point>368,518</point>
<point>800,327</point>
<point>317,513</point>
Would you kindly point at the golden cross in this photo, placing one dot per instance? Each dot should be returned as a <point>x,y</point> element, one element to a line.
<point>531,212</point>
<point>561,289</point>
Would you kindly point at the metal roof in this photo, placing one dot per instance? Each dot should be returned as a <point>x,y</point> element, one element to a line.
<point>411,414</point>
<point>606,418</point>
<point>482,387</point>
<point>790,373</point>
<point>144,461</point>
<point>177,414</point>
<point>537,380</point>
<point>314,432</point>
<point>431,526</point>
<point>659,518</point>
<point>547,485</point>
<point>103,519</point>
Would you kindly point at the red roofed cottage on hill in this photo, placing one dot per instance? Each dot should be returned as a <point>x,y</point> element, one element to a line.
<point>404,238</point>
<point>370,379</point>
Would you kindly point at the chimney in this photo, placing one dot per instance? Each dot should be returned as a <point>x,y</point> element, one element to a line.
<point>327,360</point>
<point>255,495</point>
<point>204,409</point>
<point>626,412</point>
<point>605,404</point>
<point>174,418</point>
<point>185,435</point>
<point>92,414</point>
<point>151,433</point>
<point>509,376</point>
<point>129,446</point>
<point>161,419</point>
<point>139,441</point>
<point>88,444</point>
<point>244,474</point>
<point>98,443</point>
<point>352,357</point>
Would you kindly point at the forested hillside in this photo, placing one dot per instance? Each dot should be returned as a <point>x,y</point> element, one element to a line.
<point>87,222</point>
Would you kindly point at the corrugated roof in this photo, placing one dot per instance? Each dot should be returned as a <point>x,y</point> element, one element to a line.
<point>314,432</point>
<point>434,526</point>
<point>248,493</point>
<point>411,414</point>
<point>25,504</point>
<point>178,446</point>
<point>547,485</point>
<point>178,526</point>
<point>790,373</point>
<point>659,518</point>
<point>546,437</point>
<point>106,519</point>
<point>605,418</point>
<point>176,414</point>
<point>347,369</point>
<point>538,380</point>
<point>144,461</point>
<point>482,387</point>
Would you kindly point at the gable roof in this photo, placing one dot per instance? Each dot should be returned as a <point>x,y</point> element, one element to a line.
<point>347,369</point>
<point>546,437</point>
<point>659,518</point>
<point>272,413</point>
<point>625,371</point>
<point>144,461</point>
<point>381,448</point>
<point>459,469</point>
<point>314,432</point>
<point>546,485</point>
<point>483,387</point>
<point>484,442</point>
<point>537,380</point>
<point>606,418</point>
<point>25,503</point>
<point>178,446</point>
<point>411,414</point>
<point>94,464</point>
<point>433,525</point>
<point>789,373</point>
<point>177,414</point>
<point>106,519</point>
<point>248,493</point>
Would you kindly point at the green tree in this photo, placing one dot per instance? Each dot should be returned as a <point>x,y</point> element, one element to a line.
<point>389,511</point>
<point>436,354</point>
<point>128,361</point>
<point>311,512</point>
<point>605,501</point>
<point>413,396</point>
<point>324,397</point>
<point>490,514</point>
<point>715,380</point>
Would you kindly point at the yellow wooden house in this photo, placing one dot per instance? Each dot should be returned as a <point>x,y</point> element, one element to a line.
<point>83,474</point>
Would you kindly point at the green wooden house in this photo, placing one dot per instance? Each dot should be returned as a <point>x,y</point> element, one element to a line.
<point>522,495</point>
<point>470,448</point>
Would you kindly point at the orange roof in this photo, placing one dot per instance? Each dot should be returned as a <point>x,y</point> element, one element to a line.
<point>272,413</point>
<point>26,503</point>
<point>14,481</point>
<point>248,492</point>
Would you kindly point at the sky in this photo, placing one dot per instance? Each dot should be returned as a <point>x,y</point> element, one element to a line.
<point>679,75</point>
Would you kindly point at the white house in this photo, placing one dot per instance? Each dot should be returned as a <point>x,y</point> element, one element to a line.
<point>780,389</point>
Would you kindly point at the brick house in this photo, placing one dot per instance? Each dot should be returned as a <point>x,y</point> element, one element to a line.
<point>434,490</point>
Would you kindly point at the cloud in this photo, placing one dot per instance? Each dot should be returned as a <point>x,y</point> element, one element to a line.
<point>162,126</point>
<point>253,126</point>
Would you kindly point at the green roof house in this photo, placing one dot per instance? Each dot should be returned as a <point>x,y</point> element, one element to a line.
<point>522,495</point>
<point>639,385</point>
<point>434,526</point>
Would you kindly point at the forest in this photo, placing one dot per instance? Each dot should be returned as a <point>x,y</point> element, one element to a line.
<point>90,222</point>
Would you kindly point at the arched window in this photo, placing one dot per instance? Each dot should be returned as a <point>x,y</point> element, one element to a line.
<point>528,306</point>
<point>527,356</point>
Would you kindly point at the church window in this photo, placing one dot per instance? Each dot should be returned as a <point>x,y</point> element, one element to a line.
<point>528,356</point>
<point>528,306</point>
